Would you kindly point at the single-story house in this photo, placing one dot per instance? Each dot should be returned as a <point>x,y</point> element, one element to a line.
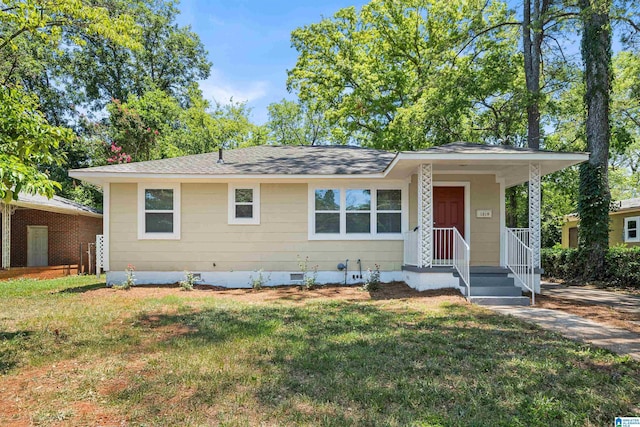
<point>38,231</point>
<point>432,218</point>
<point>624,225</point>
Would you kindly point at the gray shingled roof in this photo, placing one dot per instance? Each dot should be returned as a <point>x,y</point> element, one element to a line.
<point>55,203</point>
<point>471,148</point>
<point>266,160</point>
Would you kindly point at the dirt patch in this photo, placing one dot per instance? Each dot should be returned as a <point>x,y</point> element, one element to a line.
<point>598,313</point>
<point>292,294</point>
<point>38,273</point>
<point>32,397</point>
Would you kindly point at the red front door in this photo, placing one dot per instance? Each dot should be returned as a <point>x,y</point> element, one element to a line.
<point>448,212</point>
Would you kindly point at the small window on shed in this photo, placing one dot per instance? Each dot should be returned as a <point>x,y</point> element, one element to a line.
<point>632,229</point>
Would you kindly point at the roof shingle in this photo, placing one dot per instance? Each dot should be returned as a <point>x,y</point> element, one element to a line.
<point>266,160</point>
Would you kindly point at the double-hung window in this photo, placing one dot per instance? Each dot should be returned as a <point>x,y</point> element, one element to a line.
<point>632,229</point>
<point>159,211</point>
<point>389,211</point>
<point>327,211</point>
<point>356,213</point>
<point>244,204</point>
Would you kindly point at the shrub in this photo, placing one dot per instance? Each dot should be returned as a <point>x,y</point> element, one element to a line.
<point>130,280</point>
<point>622,265</point>
<point>372,282</point>
<point>188,282</point>
<point>259,281</point>
<point>309,279</point>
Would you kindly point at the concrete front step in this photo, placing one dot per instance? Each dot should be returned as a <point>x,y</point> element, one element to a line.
<point>500,300</point>
<point>491,281</point>
<point>495,291</point>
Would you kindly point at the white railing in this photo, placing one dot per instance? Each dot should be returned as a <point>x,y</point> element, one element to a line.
<point>443,241</point>
<point>461,257</point>
<point>522,234</point>
<point>520,259</point>
<point>411,247</point>
<point>99,254</point>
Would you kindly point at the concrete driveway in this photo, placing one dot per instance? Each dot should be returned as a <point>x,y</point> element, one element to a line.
<point>618,340</point>
<point>620,301</point>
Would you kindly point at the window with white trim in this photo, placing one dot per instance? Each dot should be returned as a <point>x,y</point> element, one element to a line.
<point>159,211</point>
<point>327,211</point>
<point>244,204</point>
<point>632,229</point>
<point>355,213</point>
<point>389,211</point>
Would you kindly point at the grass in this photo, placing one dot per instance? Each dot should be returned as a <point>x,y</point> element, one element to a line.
<point>72,352</point>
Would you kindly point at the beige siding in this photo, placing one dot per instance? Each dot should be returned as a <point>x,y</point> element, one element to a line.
<point>206,237</point>
<point>485,232</point>
<point>616,229</point>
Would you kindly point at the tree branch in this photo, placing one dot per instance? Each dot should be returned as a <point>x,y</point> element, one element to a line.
<point>13,36</point>
<point>486,30</point>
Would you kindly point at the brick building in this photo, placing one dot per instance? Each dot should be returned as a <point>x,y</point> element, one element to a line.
<point>47,232</point>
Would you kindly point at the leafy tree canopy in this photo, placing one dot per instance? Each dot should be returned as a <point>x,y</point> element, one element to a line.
<point>26,141</point>
<point>405,74</point>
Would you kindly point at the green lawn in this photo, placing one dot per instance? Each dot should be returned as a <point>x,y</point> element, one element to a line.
<point>74,353</point>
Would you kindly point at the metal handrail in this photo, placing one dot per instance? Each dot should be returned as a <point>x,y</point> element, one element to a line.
<point>411,247</point>
<point>461,258</point>
<point>520,261</point>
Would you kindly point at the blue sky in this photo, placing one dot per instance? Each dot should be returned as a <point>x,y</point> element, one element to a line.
<point>249,45</point>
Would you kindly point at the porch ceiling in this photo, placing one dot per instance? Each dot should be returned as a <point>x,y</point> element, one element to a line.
<point>513,168</point>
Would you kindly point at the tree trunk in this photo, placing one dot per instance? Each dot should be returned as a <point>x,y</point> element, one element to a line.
<point>532,35</point>
<point>595,198</point>
<point>512,209</point>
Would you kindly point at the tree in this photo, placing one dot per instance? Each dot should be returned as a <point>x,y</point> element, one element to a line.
<point>155,126</point>
<point>625,126</point>
<point>594,199</point>
<point>34,36</point>
<point>26,141</point>
<point>170,58</point>
<point>403,74</point>
<point>295,123</point>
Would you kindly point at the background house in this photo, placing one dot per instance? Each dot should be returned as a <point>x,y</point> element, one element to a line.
<point>624,225</point>
<point>46,232</point>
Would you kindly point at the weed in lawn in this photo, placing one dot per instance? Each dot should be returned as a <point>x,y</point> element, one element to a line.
<point>47,417</point>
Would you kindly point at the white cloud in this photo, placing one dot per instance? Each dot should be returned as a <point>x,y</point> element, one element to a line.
<point>220,89</point>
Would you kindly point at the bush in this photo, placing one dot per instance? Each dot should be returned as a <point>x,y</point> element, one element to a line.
<point>130,280</point>
<point>622,265</point>
<point>259,280</point>
<point>309,275</point>
<point>188,282</point>
<point>372,282</point>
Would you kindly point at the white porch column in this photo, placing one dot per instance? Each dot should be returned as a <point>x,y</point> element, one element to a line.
<point>7,211</point>
<point>425,215</point>
<point>534,212</point>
